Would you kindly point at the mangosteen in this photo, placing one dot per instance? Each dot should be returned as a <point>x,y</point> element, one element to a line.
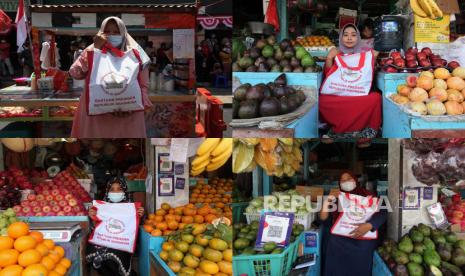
<point>279,91</point>
<point>254,52</point>
<point>248,110</point>
<point>240,92</point>
<point>260,43</point>
<point>310,69</point>
<point>251,68</point>
<point>270,107</point>
<point>287,69</point>
<point>284,62</point>
<point>293,102</point>
<point>259,60</point>
<point>271,40</point>
<point>263,67</point>
<point>236,67</point>
<point>275,68</point>
<point>254,93</point>
<point>278,54</point>
<point>281,80</point>
<point>284,105</point>
<point>294,62</point>
<point>271,62</point>
<point>284,44</point>
<point>290,90</point>
<point>289,52</point>
<point>271,85</point>
<point>298,69</point>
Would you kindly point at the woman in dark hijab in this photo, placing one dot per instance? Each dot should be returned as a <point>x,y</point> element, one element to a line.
<point>346,256</point>
<point>105,260</point>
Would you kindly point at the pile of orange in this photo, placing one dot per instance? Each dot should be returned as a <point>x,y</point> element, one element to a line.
<point>218,190</point>
<point>167,219</point>
<point>26,253</point>
<point>314,41</point>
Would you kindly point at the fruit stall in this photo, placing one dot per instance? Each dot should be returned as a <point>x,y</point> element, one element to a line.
<point>275,89</point>
<point>425,233</point>
<point>188,227</point>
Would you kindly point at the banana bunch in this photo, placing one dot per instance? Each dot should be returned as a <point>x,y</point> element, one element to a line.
<point>426,8</point>
<point>277,156</point>
<point>211,155</point>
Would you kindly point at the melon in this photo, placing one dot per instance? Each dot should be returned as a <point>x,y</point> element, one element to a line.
<point>418,95</point>
<point>425,82</point>
<point>453,108</point>
<point>440,83</point>
<point>436,108</point>
<point>438,94</point>
<point>441,73</point>
<point>456,83</point>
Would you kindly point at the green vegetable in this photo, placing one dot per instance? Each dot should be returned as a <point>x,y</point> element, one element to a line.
<point>400,257</point>
<point>269,246</point>
<point>451,237</point>
<point>429,244</point>
<point>424,229</point>
<point>241,243</point>
<point>414,269</point>
<point>415,257</point>
<point>405,244</point>
<point>431,257</point>
<point>418,248</point>
<point>416,236</point>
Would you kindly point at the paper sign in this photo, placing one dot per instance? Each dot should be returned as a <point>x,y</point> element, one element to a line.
<point>429,30</point>
<point>179,169</point>
<point>178,150</point>
<point>428,193</point>
<point>275,227</point>
<point>165,186</point>
<point>164,163</point>
<point>411,199</point>
<point>180,183</point>
<point>310,240</point>
<point>194,144</point>
<point>183,43</point>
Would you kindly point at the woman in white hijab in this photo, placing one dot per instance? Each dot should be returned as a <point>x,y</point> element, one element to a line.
<point>117,124</point>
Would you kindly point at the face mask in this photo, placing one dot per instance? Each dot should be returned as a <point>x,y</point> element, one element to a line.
<point>348,186</point>
<point>115,40</point>
<point>115,197</point>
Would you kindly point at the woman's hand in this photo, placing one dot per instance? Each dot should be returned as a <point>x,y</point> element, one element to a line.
<point>140,212</point>
<point>93,213</point>
<point>99,40</point>
<point>330,200</point>
<point>332,53</point>
<point>361,230</point>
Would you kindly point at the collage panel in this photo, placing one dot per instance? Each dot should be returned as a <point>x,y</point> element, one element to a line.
<point>345,69</point>
<point>115,69</point>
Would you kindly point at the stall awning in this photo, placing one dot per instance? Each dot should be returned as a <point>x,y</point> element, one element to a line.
<point>212,22</point>
<point>111,8</point>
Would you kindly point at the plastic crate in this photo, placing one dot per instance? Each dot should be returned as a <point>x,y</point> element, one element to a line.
<point>155,251</point>
<point>305,220</point>
<point>379,267</point>
<point>146,244</point>
<point>267,265</point>
<point>238,211</point>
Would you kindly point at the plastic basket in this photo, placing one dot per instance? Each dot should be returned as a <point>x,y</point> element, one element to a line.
<point>305,220</point>
<point>238,211</point>
<point>268,264</point>
<point>379,267</point>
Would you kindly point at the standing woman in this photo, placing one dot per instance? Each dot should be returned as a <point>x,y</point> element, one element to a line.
<point>354,115</point>
<point>346,256</point>
<point>117,124</point>
<point>108,261</point>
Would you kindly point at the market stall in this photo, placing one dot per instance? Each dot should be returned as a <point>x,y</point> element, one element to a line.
<point>53,95</point>
<point>425,233</point>
<point>274,170</point>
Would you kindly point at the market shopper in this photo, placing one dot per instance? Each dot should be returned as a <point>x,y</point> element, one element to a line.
<point>367,34</point>
<point>112,34</point>
<point>109,261</point>
<point>346,256</point>
<point>346,103</point>
<point>5,61</point>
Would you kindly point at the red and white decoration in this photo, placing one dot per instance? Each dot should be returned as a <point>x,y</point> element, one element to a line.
<point>21,29</point>
<point>210,22</point>
<point>5,23</point>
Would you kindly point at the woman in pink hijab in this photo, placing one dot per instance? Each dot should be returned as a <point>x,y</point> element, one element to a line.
<point>117,124</point>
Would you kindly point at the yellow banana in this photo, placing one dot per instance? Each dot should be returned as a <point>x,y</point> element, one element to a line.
<point>195,173</point>
<point>222,146</point>
<point>200,159</point>
<point>215,166</point>
<point>417,9</point>
<point>435,8</point>
<point>208,145</point>
<point>201,165</point>
<point>426,7</point>
<point>225,154</point>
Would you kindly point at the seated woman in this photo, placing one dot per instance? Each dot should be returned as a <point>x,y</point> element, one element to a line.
<point>346,102</point>
<point>109,261</point>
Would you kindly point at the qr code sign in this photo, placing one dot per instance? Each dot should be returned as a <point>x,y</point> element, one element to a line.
<point>165,165</point>
<point>275,231</point>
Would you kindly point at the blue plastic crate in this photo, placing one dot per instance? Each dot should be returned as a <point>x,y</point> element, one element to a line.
<point>146,244</point>
<point>307,126</point>
<point>379,267</point>
<point>157,243</point>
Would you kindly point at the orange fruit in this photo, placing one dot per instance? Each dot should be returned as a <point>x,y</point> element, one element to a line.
<point>160,212</point>
<point>29,257</point>
<point>190,205</point>
<point>173,225</point>
<point>162,226</point>
<point>18,229</point>
<point>6,243</point>
<point>24,243</point>
<point>8,257</point>
<point>60,269</point>
<point>178,211</point>
<point>181,225</point>
<point>152,216</point>
<point>187,219</point>
<point>167,232</point>
<point>158,218</point>
<point>156,233</point>
<point>175,266</point>
<point>66,263</point>
<point>48,262</point>
<point>43,249</point>
<point>189,212</point>
<point>53,273</point>
<point>209,218</point>
<point>219,205</point>
<point>171,211</point>
<point>177,218</point>
<point>60,251</point>
<point>11,270</point>
<point>34,270</point>
<point>165,206</point>
<point>198,219</point>
<point>49,243</point>
<point>170,217</point>
<point>167,246</point>
<point>37,235</point>
<point>148,228</point>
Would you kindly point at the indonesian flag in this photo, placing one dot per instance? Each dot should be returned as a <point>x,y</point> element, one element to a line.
<point>5,22</point>
<point>271,16</point>
<point>21,30</point>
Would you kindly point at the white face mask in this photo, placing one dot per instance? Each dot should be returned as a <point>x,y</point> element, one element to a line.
<point>115,197</point>
<point>115,40</point>
<point>348,186</point>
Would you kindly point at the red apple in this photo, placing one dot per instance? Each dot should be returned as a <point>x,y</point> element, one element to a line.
<point>67,209</point>
<point>34,204</point>
<point>388,61</point>
<point>76,208</point>
<point>424,63</point>
<point>390,69</point>
<point>409,57</point>
<point>427,51</point>
<point>421,56</point>
<point>49,198</point>
<point>56,209</point>
<point>25,203</point>
<point>453,64</point>
<point>68,197</point>
<point>46,209</point>
<point>26,209</point>
<point>61,214</point>
<point>62,203</point>
<point>81,214</point>
<point>46,192</point>
<point>55,192</point>
<point>412,64</point>
<point>50,214</point>
<point>40,214</point>
<point>72,202</point>
<point>455,220</point>
<point>42,203</point>
<point>412,50</point>
<point>17,209</point>
<point>399,62</point>
<point>395,55</point>
<point>53,203</point>
<point>58,197</point>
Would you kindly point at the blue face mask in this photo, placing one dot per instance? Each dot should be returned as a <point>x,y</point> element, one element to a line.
<point>115,197</point>
<point>115,40</point>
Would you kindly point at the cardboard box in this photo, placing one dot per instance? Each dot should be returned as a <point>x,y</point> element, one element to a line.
<point>448,6</point>
<point>313,192</point>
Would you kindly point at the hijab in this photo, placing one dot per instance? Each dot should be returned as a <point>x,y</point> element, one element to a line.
<point>357,48</point>
<point>124,187</point>
<point>358,190</point>
<point>128,42</point>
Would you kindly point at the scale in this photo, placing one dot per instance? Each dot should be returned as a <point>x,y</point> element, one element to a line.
<point>57,231</point>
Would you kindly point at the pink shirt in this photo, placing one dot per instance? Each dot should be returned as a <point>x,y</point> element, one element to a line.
<point>107,125</point>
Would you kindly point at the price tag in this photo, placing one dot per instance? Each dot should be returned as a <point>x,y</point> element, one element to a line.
<point>275,227</point>
<point>411,200</point>
<point>310,240</point>
<point>180,183</point>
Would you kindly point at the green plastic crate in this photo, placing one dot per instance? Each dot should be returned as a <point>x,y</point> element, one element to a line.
<point>238,210</point>
<point>267,264</point>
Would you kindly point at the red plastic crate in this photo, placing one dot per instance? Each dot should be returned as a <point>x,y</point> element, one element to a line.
<point>209,115</point>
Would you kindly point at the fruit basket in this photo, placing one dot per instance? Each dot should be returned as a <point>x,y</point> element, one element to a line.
<point>267,264</point>
<point>306,220</point>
